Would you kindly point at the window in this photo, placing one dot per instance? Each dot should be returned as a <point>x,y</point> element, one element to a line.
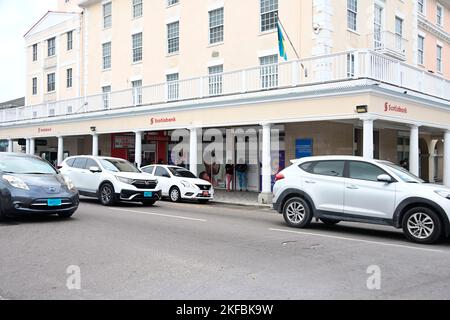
<point>137,92</point>
<point>364,171</point>
<point>306,166</point>
<point>149,169</point>
<point>161,172</point>
<point>69,40</point>
<point>79,163</point>
<point>216,26</point>
<point>269,14</point>
<point>106,55</point>
<point>50,82</point>
<point>172,2</point>
<point>269,71</point>
<point>106,96</point>
<point>69,78</point>
<point>329,168</point>
<point>137,8</point>
<point>439,58</point>
<point>378,27</point>
<point>70,162</point>
<point>421,6</point>
<point>350,65</point>
<point>215,80</point>
<point>90,163</point>
<point>35,53</point>
<point>137,47</point>
<point>172,86</point>
<point>107,15</point>
<point>398,34</point>
<point>439,15</point>
<point>352,14</point>
<point>34,86</point>
<point>173,37</point>
<point>51,49</point>
<point>420,50</point>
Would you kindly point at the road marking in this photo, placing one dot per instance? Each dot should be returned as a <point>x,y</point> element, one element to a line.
<point>356,240</point>
<point>159,214</point>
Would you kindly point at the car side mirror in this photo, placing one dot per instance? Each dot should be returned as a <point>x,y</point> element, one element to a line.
<point>95,169</point>
<point>384,178</point>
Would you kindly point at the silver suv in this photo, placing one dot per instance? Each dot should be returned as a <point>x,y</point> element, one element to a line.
<point>344,188</point>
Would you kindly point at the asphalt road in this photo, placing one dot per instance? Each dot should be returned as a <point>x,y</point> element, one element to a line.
<point>191,251</point>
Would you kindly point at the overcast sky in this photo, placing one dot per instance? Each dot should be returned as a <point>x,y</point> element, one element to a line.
<point>16,18</point>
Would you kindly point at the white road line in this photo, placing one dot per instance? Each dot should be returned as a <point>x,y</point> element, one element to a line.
<point>356,240</point>
<point>159,214</point>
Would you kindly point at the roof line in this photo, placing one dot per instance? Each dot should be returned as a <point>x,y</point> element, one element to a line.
<point>46,14</point>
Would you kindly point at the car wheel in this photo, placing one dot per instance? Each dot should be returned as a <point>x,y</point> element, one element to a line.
<point>107,194</point>
<point>65,215</point>
<point>149,202</point>
<point>297,213</point>
<point>422,225</point>
<point>203,201</point>
<point>329,222</point>
<point>174,194</point>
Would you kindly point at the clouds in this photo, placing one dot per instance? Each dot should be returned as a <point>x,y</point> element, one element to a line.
<point>16,18</point>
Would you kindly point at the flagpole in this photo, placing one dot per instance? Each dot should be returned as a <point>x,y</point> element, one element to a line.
<point>292,45</point>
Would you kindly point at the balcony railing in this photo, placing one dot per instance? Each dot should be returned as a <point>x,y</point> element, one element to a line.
<point>343,66</point>
<point>389,43</point>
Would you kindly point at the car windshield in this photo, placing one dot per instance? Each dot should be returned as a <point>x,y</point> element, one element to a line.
<point>25,165</point>
<point>402,173</point>
<point>116,165</point>
<point>181,172</point>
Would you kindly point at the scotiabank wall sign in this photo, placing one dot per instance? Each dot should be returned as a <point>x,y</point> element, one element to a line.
<point>44,130</point>
<point>155,121</point>
<point>388,107</point>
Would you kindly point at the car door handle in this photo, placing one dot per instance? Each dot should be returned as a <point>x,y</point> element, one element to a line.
<point>310,182</point>
<point>352,187</point>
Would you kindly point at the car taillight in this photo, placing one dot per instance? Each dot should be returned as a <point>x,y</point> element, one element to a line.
<point>279,176</point>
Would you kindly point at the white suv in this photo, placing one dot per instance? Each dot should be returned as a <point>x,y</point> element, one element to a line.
<point>110,180</point>
<point>344,188</point>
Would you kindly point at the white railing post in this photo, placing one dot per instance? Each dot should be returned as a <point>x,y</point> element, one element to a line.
<point>202,93</point>
<point>399,74</point>
<point>295,73</point>
<point>368,64</point>
<point>243,81</point>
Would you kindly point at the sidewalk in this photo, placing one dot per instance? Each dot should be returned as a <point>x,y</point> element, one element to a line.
<point>238,198</point>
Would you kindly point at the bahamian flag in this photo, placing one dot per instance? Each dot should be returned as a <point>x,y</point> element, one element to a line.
<point>281,46</point>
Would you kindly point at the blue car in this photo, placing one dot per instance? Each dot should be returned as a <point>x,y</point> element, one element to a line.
<point>29,185</point>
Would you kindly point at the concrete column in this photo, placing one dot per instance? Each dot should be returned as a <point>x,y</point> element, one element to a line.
<point>32,146</point>
<point>447,158</point>
<point>27,146</point>
<point>138,149</point>
<point>368,138</point>
<point>60,150</point>
<point>193,154</point>
<point>266,194</point>
<point>10,145</point>
<point>95,144</point>
<point>414,150</point>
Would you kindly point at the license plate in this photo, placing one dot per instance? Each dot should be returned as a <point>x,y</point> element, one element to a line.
<point>148,194</point>
<point>54,202</point>
<point>205,193</point>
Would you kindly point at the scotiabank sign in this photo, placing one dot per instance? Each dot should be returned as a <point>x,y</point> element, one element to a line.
<point>154,121</point>
<point>44,130</point>
<point>388,107</point>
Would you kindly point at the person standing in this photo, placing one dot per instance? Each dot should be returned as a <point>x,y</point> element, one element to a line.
<point>229,170</point>
<point>241,170</point>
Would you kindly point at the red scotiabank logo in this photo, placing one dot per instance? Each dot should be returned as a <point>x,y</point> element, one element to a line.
<point>162,120</point>
<point>394,108</point>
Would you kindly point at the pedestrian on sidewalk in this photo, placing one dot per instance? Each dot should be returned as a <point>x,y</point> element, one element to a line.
<point>229,170</point>
<point>241,170</point>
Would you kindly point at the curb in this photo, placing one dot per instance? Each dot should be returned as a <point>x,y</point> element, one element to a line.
<point>265,206</point>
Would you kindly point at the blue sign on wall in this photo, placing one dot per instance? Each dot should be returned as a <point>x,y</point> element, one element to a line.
<point>303,148</point>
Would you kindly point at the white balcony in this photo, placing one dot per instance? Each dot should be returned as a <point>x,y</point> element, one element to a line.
<point>324,70</point>
<point>389,43</point>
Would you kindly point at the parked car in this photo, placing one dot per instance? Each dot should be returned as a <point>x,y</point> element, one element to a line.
<point>342,188</point>
<point>179,183</point>
<point>30,185</point>
<point>111,180</point>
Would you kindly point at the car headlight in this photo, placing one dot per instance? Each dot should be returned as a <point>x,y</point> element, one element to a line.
<point>443,193</point>
<point>69,183</point>
<point>16,182</point>
<point>125,180</point>
<point>186,184</point>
